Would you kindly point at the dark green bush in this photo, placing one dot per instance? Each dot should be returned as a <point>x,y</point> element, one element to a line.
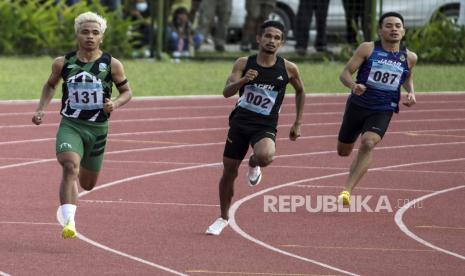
<point>440,41</point>
<point>46,27</point>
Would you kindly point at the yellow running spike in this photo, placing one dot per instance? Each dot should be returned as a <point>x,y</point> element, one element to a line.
<point>344,197</point>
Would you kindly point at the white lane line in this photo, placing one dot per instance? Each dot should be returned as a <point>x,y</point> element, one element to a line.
<point>26,163</point>
<point>149,203</point>
<point>4,274</point>
<point>26,141</point>
<point>217,106</point>
<point>141,133</point>
<point>195,98</point>
<point>158,173</point>
<point>132,178</point>
<point>425,171</point>
<point>377,148</point>
<point>20,158</point>
<point>234,225</point>
<point>128,256</point>
<point>29,223</point>
<point>404,228</point>
<point>121,181</point>
<point>165,119</point>
<point>212,144</point>
<point>152,162</point>
<point>229,107</point>
<point>131,257</point>
<point>125,180</point>
<point>368,188</point>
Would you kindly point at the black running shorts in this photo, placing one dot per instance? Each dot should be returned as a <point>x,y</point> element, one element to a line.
<point>358,120</point>
<point>241,136</point>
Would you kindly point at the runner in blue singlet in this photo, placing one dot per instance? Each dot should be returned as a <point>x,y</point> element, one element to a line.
<point>382,68</point>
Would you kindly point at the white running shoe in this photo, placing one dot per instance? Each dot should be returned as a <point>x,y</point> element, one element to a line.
<point>254,176</point>
<point>217,227</point>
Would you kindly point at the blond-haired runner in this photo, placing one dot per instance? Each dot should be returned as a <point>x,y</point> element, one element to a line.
<point>88,76</point>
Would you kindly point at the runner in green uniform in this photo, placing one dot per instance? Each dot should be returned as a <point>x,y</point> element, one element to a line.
<point>88,75</point>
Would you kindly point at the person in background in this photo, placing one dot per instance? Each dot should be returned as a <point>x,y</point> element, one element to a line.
<point>257,13</point>
<point>181,35</point>
<point>303,21</point>
<point>195,4</point>
<point>112,5</point>
<point>357,13</point>
<point>208,10</point>
<point>138,10</point>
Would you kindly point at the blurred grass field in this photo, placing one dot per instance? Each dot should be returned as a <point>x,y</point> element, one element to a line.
<point>23,78</point>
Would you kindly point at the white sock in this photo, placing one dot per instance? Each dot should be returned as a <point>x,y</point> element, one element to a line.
<point>68,211</point>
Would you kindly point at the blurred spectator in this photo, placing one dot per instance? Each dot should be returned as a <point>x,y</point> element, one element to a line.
<point>180,34</point>
<point>138,10</point>
<point>257,12</point>
<point>195,4</point>
<point>208,10</point>
<point>461,20</point>
<point>69,2</point>
<point>303,21</point>
<point>112,5</point>
<point>358,14</point>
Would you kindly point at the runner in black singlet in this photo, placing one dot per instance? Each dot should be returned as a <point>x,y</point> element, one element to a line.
<point>261,81</point>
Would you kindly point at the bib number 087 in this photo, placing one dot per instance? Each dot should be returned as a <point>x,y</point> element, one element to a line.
<point>384,77</point>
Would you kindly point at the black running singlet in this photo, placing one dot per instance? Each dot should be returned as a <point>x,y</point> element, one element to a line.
<point>260,100</point>
<point>85,87</point>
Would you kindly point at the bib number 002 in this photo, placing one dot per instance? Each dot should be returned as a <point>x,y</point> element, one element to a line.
<point>257,100</point>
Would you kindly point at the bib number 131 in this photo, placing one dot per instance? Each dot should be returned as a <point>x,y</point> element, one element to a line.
<point>85,98</point>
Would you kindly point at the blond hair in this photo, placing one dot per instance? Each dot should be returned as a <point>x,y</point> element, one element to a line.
<point>90,17</point>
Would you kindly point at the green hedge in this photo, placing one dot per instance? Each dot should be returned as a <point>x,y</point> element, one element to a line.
<point>47,28</point>
<point>441,41</point>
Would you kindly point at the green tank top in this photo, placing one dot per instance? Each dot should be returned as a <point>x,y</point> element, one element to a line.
<point>85,87</point>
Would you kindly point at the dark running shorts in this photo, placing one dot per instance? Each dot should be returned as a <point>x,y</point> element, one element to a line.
<point>87,139</point>
<point>358,120</point>
<point>240,137</point>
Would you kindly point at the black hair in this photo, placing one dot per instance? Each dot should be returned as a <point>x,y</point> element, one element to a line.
<point>176,13</point>
<point>389,14</point>
<point>180,10</point>
<point>275,24</point>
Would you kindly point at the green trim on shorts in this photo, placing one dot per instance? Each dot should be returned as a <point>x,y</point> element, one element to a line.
<point>88,139</point>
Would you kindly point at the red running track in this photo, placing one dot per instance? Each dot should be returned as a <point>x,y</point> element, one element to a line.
<point>158,193</point>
